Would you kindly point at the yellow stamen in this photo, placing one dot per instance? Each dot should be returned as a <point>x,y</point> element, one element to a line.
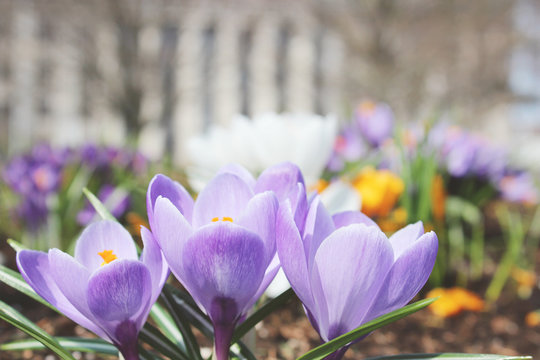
<point>107,256</point>
<point>225,218</point>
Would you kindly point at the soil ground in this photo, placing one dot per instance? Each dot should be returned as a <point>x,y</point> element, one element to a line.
<point>286,334</point>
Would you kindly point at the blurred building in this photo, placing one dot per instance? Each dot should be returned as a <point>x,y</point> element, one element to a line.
<point>156,72</point>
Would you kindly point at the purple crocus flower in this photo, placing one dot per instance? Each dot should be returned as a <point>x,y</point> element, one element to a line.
<point>347,272</point>
<point>221,247</point>
<point>105,288</point>
<point>376,121</point>
<point>520,188</point>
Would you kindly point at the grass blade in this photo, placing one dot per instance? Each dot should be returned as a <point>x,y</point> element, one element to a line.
<point>450,356</point>
<point>18,320</point>
<point>325,349</point>
<point>97,346</point>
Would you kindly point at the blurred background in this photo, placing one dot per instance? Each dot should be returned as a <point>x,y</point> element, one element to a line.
<point>155,73</point>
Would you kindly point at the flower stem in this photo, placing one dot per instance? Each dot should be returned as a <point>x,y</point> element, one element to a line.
<point>222,341</point>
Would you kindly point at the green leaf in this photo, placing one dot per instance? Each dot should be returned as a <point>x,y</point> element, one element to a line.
<point>15,280</point>
<point>183,302</point>
<point>98,205</point>
<point>450,356</point>
<point>17,246</point>
<point>18,320</point>
<point>261,313</point>
<point>192,347</point>
<point>327,348</point>
<point>153,337</point>
<point>69,343</point>
<point>166,324</point>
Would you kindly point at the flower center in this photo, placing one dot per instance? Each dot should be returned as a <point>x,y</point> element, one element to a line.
<point>107,256</point>
<point>225,218</point>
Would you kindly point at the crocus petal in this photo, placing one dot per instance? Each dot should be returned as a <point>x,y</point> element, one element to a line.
<point>171,231</point>
<point>292,255</point>
<point>225,196</point>
<point>154,261</point>
<point>71,278</point>
<point>100,236</point>
<point>281,179</point>
<point>406,277</point>
<point>239,171</point>
<point>224,262</point>
<point>404,238</point>
<point>118,292</point>
<point>260,217</point>
<point>35,269</point>
<point>162,185</point>
<point>350,266</point>
<point>352,217</point>
<point>318,226</point>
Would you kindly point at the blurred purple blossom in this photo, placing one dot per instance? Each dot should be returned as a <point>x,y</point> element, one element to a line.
<point>519,187</point>
<point>116,200</point>
<point>375,121</point>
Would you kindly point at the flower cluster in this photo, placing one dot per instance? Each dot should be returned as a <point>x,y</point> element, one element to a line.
<point>225,248</point>
<point>44,172</point>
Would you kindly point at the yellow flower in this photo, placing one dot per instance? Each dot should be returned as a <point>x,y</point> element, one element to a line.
<point>379,189</point>
<point>453,301</point>
<point>526,280</point>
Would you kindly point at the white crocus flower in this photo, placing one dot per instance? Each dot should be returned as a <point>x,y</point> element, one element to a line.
<point>304,139</point>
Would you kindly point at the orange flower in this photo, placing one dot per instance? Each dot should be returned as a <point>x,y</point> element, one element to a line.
<point>319,186</point>
<point>453,301</point>
<point>395,221</point>
<point>438,198</point>
<point>532,319</point>
<point>379,189</point>
<point>135,222</point>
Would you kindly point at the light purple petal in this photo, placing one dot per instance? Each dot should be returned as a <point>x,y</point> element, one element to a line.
<point>281,179</point>
<point>318,226</point>
<point>35,269</point>
<point>260,217</point>
<point>352,217</point>
<point>292,255</point>
<point>171,232</point>
<point>270,277</point>
<point>404,238</point>
<point>239,171</point>
<point>407,276</point>
<point>162,185</point>
<point>350,266</point>
<point>100,236</point>
<point>300,207</point>
<point>71,278</point>
<point>225,196</point>
<point>118,292</point>
<point>223,262</point>
<point>154,261</point>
